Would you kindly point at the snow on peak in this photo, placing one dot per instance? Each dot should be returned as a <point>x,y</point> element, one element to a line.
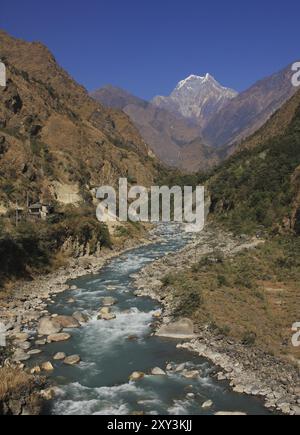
<point>190,78</point>
<point>196,97</point>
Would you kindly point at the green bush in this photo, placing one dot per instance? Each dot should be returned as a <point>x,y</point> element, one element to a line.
<point>167,280</point>
<point>33,246</point>
<point>222,281</point>
<point>190,301</point>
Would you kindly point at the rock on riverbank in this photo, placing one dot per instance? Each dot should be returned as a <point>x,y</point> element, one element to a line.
<point>182,329</point>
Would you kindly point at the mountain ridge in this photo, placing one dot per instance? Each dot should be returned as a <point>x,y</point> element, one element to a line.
<point>174,139</point>
<point>249,110</point>
<point>193,135</point>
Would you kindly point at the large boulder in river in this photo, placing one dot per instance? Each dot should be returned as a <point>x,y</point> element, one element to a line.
<point>59,356</point>
<point>80,317</point>
<point>182,329</point>
<point>136,376</point>
<point>104,311</point>
<point>48,326</point>
<point>109,301</point>
<point>208,404</point>
<point>157,371</point>
<point>72,360</point>
<point>67,322</point>
<point>107,317</point>
<point>191,374</point>
<point>56,338</point>
<point>47,366</point>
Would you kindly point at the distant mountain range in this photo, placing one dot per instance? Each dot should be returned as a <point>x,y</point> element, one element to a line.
<point>174,139</point>
<point>201,122</point>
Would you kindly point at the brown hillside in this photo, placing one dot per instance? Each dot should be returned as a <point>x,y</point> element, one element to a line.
<point>174,139</point>
<point>276,125</point>
<point>54,138</point>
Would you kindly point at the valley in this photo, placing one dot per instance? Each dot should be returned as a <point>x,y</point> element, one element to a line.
<point>202,122</point>
<point>133,318</point>
<point>99,384</point>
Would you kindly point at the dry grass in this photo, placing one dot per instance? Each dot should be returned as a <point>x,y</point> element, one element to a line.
<point>253,298</point>
<point>19,392</point>
<point>13,382</point>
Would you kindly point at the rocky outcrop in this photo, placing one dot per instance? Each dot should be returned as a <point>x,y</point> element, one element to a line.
<point>181,329</point>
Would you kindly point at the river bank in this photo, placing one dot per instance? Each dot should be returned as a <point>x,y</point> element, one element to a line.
<point>248,369</point>
<point>21,311</point>
<point>121,367</point>
<point>28,301</point>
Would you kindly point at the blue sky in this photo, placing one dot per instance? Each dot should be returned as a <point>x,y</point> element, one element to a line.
<point>146,47</point>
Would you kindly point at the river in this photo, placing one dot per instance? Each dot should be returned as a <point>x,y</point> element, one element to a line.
<point>111,350</point>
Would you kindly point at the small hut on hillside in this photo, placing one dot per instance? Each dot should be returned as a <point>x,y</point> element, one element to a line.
<point>40,210</point>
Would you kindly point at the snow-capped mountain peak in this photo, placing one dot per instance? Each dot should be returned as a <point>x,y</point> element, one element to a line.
<point>189,80</point>
<point>196,97</point>
<point>194,79</point>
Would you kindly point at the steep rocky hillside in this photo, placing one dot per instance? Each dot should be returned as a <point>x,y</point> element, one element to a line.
<point>56,141</point>
<point>175,140</point>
